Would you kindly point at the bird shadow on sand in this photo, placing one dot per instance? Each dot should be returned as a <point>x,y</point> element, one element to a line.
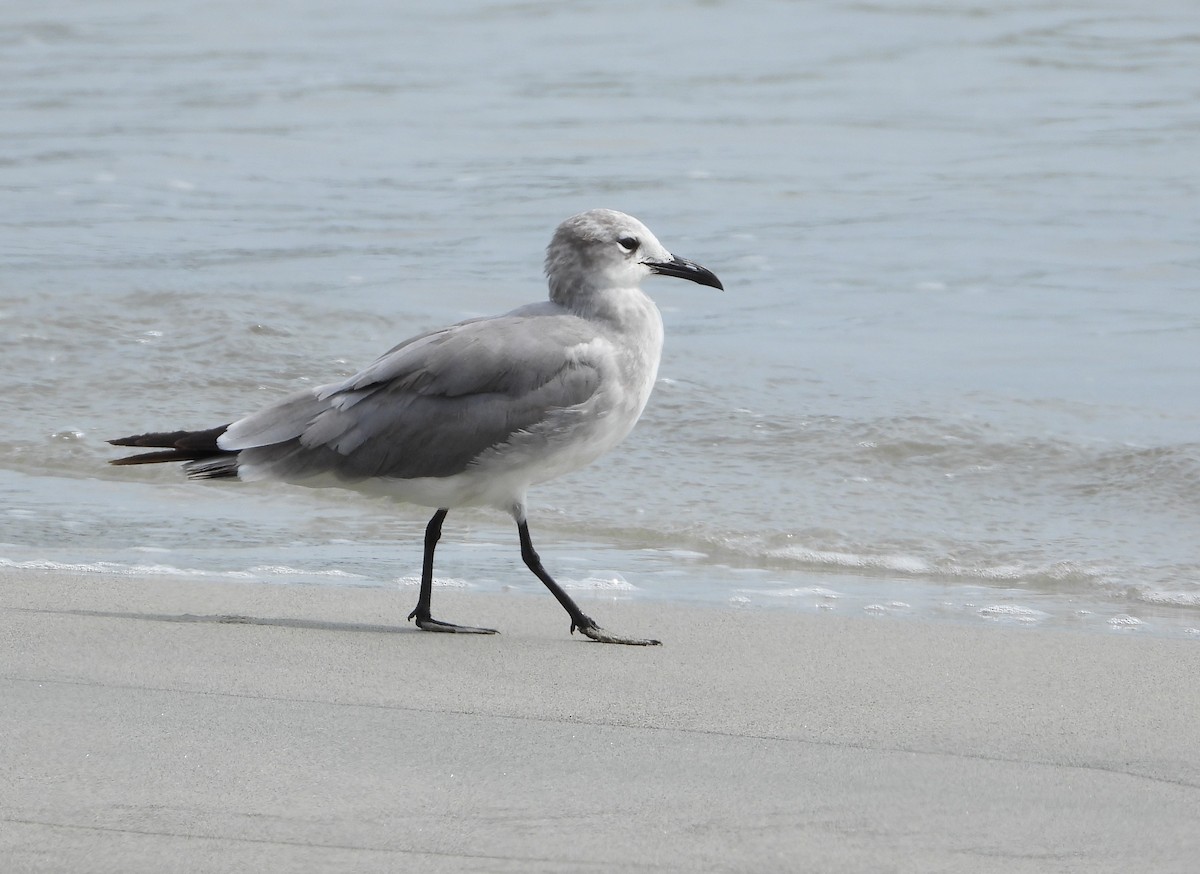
<point>238,619</point>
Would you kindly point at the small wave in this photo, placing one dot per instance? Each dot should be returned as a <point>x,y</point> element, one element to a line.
<point>904,564</point>
<point>797,592</point>
<point>284,570</point>
<point>613,583</point>
<point>438,582</point>
<point>1125,622</point>
<point>915,567</point>
<point>109,567</point>
<point>1170,599</point>
<point>890,608</point>
<point>1012,612</point>
<point>112,568</point>
<point>1059,572</point>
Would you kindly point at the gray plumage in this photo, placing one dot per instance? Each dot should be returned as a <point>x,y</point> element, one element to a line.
<point>475,413</point>
<point>431,406</point>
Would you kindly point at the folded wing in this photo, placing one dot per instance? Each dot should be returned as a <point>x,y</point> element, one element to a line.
<point>430,406</point>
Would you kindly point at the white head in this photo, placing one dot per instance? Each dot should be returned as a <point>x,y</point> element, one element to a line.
<point>602,249</point>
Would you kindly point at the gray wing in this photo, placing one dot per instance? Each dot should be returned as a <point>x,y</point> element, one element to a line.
<point>431,405</point>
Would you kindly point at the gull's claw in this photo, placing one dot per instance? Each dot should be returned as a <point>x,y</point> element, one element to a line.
<point>428,623</point>
<point>595,632</point>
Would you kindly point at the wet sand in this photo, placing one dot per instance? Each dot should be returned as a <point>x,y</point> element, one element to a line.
<point>159,725</point>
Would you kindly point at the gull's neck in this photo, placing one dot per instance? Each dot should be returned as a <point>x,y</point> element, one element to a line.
<point>625,307</point>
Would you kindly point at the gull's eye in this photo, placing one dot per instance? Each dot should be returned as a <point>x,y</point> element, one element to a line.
<point>628,244</point>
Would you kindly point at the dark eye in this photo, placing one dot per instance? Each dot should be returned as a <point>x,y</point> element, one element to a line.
<point>629,244</point>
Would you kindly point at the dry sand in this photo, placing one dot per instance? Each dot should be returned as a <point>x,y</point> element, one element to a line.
<point>155,725</point>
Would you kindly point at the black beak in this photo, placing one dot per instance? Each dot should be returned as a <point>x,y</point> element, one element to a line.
<point>685,269</point>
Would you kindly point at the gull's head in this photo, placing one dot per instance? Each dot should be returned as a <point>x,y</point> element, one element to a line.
<point>602,249</point>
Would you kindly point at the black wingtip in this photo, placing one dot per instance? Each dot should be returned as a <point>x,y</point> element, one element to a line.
<point>151,457</point>
<point>171,446</point>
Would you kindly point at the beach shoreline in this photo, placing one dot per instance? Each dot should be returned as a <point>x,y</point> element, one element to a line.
<point>160,724</point>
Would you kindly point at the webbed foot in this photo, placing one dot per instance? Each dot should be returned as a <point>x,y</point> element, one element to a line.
<point>589,628</point>
<point>428,623</point>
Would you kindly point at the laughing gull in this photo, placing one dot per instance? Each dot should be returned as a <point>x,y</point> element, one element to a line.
<point>476,413</point>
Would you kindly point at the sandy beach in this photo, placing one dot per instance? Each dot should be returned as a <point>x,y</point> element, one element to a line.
<point>164,725</point>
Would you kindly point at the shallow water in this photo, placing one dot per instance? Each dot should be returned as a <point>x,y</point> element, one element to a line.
<point>955,372</point>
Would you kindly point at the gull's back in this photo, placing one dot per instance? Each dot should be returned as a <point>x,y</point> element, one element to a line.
<point>475,413</point>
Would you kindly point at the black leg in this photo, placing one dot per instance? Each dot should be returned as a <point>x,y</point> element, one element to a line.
<point>579,619</point>
<point>433,533</point>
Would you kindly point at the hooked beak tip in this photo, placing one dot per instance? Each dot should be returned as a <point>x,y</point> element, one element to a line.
<point>684,269</point>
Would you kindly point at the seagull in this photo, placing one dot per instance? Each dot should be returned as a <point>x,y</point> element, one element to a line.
<point>475,413</point>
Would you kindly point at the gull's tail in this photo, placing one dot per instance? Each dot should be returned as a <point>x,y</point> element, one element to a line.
<point>204,458</point>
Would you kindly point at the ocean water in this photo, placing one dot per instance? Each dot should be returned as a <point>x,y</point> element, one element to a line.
<point>955,373</point>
